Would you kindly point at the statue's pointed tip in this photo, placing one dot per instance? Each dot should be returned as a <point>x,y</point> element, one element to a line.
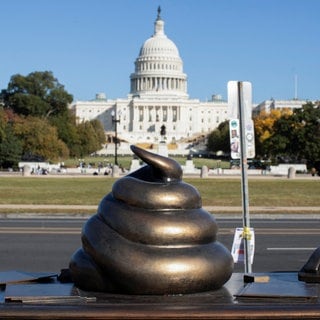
<point>169,169</point>
<point>137,150</point>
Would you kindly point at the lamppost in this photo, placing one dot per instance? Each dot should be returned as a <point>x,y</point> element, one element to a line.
<point>115,121</point>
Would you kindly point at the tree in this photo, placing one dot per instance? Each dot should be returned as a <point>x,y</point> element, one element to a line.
<point>3,123</point>
<point>90,137</point>
<point>68,131</point>
<point>264,122</point>
<point>306,133</point>
<point>264,127</point>
<point>40,139</point>
<point>219,139</point>
<point>37,107</point>
<point>10,149</point>
<point>37,94</point>
<point>10,145</point>
<point>99,131</point>
<point>297,136</point>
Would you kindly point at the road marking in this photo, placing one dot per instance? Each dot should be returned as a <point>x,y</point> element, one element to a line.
<point>22,230</point>
<point>277,231</point>
<point>291,249</point>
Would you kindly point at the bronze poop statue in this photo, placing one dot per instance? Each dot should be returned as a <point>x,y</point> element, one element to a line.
<point>151,236</point>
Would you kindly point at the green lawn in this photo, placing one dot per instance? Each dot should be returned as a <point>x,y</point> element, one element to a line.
<point>262,192</point>
<point>214,192</point>
<point>125,161</point>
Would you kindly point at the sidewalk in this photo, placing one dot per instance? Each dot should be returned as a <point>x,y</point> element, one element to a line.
<point>87,210</point>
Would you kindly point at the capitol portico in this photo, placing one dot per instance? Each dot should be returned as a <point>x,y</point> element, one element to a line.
<point>158,97</point>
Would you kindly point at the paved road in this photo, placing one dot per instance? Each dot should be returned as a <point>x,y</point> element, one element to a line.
<point>47,244</point>
<point>281,244</point>
<point>37,245</point>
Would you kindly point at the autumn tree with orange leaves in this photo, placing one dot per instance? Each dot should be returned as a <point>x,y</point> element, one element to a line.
<point>264,126</point>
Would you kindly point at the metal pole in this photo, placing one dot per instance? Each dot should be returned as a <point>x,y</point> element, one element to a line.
<point>244,182</point>
<point>116,141</point>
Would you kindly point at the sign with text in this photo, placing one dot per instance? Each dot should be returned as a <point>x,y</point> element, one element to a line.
<point>234,128</point>
<point>240,96</point>
<point>237,250</point>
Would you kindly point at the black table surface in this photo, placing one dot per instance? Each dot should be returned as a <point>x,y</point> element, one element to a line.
<point>279,295</point>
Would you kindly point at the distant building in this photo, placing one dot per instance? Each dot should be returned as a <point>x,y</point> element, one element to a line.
<point>272,104</point>
<point>158,96</point>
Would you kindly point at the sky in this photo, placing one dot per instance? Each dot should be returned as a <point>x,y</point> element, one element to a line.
<point>91,45</point>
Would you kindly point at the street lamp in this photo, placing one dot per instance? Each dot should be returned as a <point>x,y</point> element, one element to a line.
<point>115,121</point>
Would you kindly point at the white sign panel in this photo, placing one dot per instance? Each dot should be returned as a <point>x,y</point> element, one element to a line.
<point>234,130</point>
<point>250,143</point>
<point>240,92</point>
<point>233,99</point>
<point>237,250</point>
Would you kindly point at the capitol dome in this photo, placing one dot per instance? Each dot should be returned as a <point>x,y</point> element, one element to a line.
<point>159,43</point>
<point>159,46</point>
<point>159,68</point>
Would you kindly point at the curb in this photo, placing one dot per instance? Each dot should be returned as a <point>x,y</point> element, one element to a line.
<point>222,209</point>
<point>84,211</point>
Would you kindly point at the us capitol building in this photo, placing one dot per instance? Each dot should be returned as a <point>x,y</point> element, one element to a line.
<point>158,97</point>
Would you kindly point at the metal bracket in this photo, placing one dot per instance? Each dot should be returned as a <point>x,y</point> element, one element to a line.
<point>310,272</point>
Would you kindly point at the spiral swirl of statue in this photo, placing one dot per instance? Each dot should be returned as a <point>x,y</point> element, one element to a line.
<point>151,236</point>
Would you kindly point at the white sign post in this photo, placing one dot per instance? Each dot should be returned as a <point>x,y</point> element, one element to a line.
<point>242,147</point>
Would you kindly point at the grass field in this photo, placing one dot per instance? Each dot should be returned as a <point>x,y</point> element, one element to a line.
<point>125,161</point>
<point>214,192</point>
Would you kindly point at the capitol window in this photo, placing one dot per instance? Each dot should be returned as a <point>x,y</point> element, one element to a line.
<point>140,114</point>
<point>174,114</point>
<point>165,115</point>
